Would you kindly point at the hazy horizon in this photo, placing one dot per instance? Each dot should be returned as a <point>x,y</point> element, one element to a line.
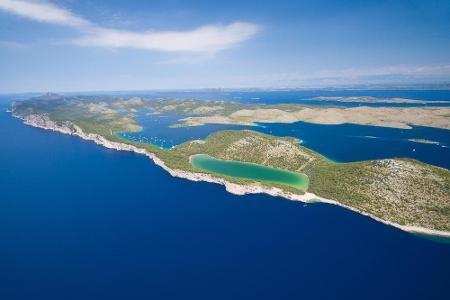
<point>387,87</point>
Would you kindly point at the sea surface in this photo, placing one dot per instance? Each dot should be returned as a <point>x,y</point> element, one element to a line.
<point>79,221</point>
<point>157,130</point>
<point>340,143</point>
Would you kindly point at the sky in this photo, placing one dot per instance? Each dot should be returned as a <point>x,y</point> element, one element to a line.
<point>86,45</point>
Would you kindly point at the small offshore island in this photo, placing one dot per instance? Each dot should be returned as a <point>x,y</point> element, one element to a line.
<point>401,192</point>
<point>424,141</point>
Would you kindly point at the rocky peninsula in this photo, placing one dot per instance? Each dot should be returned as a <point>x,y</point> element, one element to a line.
<point>402,192</point>
<point>67,127</point>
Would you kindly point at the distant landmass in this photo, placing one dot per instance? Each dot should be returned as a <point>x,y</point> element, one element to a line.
<point>367,99</point>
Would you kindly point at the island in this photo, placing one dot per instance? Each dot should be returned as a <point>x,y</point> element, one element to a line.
<point>225,112</point>
<point>424,141</point>
<point>368,99</point>
<point>400,192</point>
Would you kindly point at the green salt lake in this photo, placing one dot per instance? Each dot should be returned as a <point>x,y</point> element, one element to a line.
<point>250,171</point>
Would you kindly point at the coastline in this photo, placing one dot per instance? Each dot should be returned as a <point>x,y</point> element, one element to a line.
<point>66,127</point>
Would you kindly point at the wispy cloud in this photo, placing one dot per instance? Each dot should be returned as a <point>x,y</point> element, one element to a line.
<point>43,12</point>
<point>208,38</point>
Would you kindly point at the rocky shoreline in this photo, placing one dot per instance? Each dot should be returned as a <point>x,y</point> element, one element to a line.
<point>66,127</point>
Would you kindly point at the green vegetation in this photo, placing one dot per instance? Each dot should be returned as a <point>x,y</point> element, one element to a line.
<point>403,191</point>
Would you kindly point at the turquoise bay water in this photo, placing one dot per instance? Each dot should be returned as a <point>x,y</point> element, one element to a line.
<point>250,171</point>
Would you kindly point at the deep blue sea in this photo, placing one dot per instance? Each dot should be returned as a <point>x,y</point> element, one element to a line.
<point>78,221</point>
<point>341,143</point>
<point>157,130</point>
